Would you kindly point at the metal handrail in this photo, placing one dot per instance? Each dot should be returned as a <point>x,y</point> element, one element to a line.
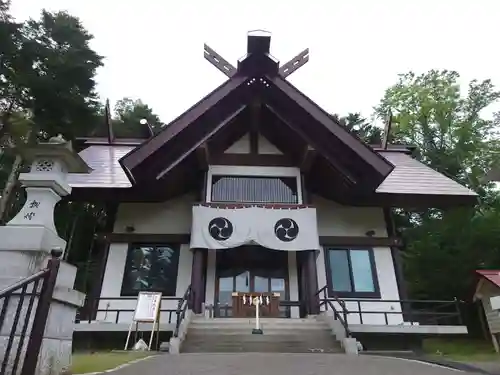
<point>182,307</point>
<point>18,285</point>
<point>19,322</point>
<point>428,310</point>
<point>328,303</point>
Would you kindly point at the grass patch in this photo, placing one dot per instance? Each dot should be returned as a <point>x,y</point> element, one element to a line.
<point>461,349</point>
<point>95,362</point>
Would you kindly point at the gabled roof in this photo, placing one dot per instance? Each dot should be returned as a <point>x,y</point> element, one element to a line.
<point>200,110</point>
<point>413,177</point>
<point>257,77</point>
<point>257,99</point>
<point>492,276</point>
<point>106,170</point>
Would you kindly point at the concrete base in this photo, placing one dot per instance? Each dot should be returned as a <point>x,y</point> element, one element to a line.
<point>175,345</point>
<point>34,238</point>
<point>350,346</point>
<point>55,352</point>
<point>176,342</point>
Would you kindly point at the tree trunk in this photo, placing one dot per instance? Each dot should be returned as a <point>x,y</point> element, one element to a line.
<point>9,188</point>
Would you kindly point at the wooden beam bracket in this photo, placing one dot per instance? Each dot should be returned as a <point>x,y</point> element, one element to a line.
<point>307,159</point>
<point>203,156</point>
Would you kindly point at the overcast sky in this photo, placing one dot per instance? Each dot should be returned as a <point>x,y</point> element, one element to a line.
<point>154,48</point>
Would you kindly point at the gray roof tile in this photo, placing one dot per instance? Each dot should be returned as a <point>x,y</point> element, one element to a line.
<point>408,177</point>
<point>107,171</point>
<point>413,177</point>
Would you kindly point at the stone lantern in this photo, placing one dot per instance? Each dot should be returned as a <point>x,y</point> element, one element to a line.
<point>32,230</point>
<point>28,239</point>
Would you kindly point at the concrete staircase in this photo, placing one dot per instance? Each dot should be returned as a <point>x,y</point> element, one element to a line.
<point>225,335</point>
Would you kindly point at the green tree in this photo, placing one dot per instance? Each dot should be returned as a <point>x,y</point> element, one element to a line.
<point>128,120</point>
<point>361,127</point>
<point>129,114</point>
<point>452,136</point>
<point>448,128</point>
<point>47,74</point>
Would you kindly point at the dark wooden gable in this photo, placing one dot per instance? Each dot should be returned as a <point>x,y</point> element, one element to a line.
<point>257,98</point>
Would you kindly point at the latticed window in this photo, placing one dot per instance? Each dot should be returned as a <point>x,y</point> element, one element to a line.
<point>251,189</point>
<point>44,165</point>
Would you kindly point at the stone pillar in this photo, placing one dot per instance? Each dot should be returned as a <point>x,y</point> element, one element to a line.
<point>198,280</point>
<point>27,241</point>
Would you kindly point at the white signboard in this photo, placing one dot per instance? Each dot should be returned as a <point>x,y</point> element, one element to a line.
<point>495,303</point>
<point>148,306</point>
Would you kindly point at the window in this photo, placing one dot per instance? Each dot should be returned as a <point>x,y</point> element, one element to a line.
<point>151,268</point>
<point>352,273</point>
<point>250,189</point>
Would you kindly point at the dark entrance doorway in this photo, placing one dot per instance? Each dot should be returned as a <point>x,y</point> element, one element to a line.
<point>250,269</point>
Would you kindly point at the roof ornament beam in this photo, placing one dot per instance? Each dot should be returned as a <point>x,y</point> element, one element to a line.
<point>294,64</point>
<point>387,130</point>
<point>258,44</point>
<point>219,62</point>
<point>109,123</point>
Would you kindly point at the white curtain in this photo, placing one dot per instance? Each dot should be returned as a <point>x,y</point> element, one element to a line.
<point>288,229</point>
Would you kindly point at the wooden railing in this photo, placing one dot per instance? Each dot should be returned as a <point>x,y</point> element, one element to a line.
<point>20,318</point>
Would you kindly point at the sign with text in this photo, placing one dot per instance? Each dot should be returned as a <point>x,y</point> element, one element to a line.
<point>148,307</point>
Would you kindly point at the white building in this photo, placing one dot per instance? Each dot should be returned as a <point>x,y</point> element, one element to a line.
<point>255,189</point>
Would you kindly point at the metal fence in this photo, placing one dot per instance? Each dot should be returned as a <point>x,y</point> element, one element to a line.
<point>25,307</point>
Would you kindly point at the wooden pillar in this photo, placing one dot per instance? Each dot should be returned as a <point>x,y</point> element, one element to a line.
<point>198,280</point>
<point>302,284</point>
<point>95,293</point>
<point>312,282</point>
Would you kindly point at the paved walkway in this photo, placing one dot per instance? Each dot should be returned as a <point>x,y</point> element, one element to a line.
<point>279,364</point>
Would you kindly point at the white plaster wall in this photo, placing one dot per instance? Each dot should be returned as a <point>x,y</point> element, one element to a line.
<point>210,283</point>
<point>112,284</point>
<point>293,283</point>
<point>337,220</point>
<point>266,147</point>
<point>170,217</point>
<point>175,216</point>
<point>242,146</point>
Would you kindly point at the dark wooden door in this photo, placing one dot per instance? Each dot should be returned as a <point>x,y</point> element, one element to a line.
<point>243,308</point>
<point>253,270</point>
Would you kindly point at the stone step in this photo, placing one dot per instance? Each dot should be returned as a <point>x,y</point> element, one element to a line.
<point>230,323</point>
<point>229,335</point>
<point>259,347</point>
<point>252,320</point>
<point>192,337</point>
<point>267,332</point>
<point>300,328</point>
